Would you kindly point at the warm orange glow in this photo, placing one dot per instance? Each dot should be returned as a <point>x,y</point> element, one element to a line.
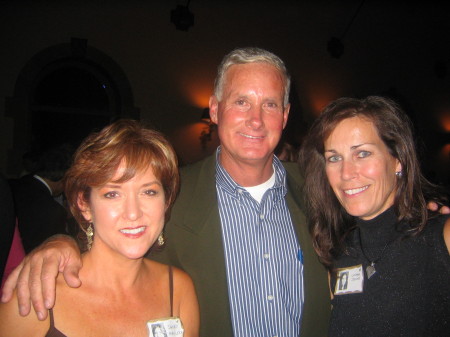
<point>199,96</point>
<point>445,154</point>
<point>197,91</point>
<point>318,103</point>
<point>196,86</point>
<point>318,98</point>
<point>445,121</point>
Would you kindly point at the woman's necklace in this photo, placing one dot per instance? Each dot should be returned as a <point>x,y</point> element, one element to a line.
<point>370,269</point>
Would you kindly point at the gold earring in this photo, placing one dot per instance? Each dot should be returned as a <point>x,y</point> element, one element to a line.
<point>161,240</point>
<point>89,235</point>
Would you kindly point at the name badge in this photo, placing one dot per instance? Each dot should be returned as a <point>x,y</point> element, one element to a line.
<point>166,327</point>
<point>349,280</point>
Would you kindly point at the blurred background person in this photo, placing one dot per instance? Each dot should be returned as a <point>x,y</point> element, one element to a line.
<point>38,199</point>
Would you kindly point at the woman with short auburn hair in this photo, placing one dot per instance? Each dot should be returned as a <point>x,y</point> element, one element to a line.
<point>120,188</point>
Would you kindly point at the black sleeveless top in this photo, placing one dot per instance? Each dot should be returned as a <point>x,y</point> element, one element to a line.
<point>54,332</point>
<point>409,295</point>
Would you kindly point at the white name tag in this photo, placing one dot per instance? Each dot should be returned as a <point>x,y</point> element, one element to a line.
<point>167,327</point>
<point>349,280</point>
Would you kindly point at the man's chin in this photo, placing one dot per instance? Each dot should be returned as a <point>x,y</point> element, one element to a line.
<point>255,156</point>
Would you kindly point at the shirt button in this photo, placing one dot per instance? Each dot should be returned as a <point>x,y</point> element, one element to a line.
<point>266,256</point>
<point>261,216</point>
<point>270,298</point>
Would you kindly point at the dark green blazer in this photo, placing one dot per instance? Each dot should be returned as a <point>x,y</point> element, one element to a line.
<point>194,244</point>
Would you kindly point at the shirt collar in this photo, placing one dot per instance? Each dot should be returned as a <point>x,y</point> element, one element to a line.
<point>44,182</point>
<point>224,180</point>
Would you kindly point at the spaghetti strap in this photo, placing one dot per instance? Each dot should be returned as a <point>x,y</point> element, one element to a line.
<point>52,331</point>
<point>171,290</point>
<point>52,322</point>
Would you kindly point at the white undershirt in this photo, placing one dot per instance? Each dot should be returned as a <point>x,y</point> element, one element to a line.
<point>258,191</point>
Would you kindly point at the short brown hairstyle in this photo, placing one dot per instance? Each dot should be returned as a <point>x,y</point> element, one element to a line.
<point>100,154</point>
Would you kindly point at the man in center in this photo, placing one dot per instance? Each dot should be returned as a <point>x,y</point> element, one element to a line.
<point>237,226</point>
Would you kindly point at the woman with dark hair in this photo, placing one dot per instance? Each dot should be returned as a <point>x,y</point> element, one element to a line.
<point>120,189</point>
<point>366,203</point>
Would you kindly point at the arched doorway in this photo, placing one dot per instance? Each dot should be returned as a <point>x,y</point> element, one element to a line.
<point>61,95</point>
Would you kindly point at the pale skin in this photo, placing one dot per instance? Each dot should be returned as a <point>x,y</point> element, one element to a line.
<point>250,118</point>
<point>361,171</point>
<point>121,289</point>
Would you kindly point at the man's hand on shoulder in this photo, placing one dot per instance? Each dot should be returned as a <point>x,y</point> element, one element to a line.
<point>435,207</point>
<point>35,277</point>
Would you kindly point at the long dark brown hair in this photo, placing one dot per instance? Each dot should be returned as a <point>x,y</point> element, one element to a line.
<point>329,223</point>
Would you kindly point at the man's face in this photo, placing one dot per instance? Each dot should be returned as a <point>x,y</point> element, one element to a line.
<point>250,116</point>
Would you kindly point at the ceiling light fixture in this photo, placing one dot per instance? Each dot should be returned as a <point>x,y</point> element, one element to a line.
<point>181,17</point>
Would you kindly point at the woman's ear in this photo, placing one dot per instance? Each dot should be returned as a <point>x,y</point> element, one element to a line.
<point>398,167</point>
<point>84,208</point>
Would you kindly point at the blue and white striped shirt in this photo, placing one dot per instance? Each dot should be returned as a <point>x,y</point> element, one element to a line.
<point>263,258</point>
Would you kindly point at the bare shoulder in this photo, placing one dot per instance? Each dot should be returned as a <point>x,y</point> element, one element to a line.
<point>180,277</point>
<point>12,324</point>
<point>447,234</point>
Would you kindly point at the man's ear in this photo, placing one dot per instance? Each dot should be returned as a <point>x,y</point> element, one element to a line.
<point>84,208</point>
<point>286,114</point>
<point>213,108</point>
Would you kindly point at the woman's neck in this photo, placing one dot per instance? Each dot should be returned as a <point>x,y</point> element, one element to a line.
<point>111,270</point>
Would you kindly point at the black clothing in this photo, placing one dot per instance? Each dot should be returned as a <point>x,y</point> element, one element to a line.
<point>39,215</point>
<point>409,295</point>
<point>53,331</point>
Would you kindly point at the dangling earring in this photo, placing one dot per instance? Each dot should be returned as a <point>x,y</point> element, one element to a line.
<point>161,240</point>
<point>399,174</point>
<point>89,235</point>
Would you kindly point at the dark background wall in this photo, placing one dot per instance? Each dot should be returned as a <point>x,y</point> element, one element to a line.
<point>164,76</point>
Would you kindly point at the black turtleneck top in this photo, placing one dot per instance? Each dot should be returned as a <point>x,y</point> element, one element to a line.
<point>409,295</point>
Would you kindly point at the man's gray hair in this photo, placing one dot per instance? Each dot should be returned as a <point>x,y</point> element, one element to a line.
<point>251,55</point>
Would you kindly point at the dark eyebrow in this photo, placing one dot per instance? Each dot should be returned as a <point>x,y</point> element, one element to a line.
<point>356,146</point>
<point>109,185</point>
<point>150,183</point>
<point>352,147</point>
<point>155,182</point>
<point>359,145</point>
